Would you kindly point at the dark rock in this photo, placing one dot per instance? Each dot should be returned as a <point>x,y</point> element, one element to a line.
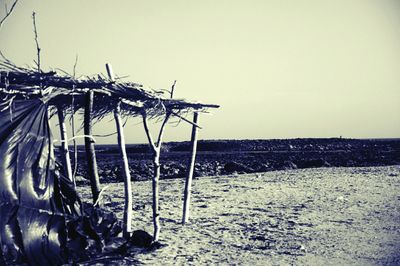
<point>312,163</point>
<point>197,173</point>
<point>231,167</point>
<point>289,165</point>
<point>156,245</point>
<point>141,238</point>
<point>262,167</point>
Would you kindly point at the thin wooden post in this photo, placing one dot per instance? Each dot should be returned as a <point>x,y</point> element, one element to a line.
<point>64,145</point>
<point>156,197</point>
<point>124,164</point>
<point>156,149</point>
<point>189,176</point>
<point>125,173</point>
<point>89,147</point>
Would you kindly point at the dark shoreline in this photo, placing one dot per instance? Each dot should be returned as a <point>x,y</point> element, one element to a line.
<point>222,157</point>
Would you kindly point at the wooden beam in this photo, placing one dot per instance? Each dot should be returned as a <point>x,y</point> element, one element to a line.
<point>124,165</point>
<point>64,145</point>
<point>184,119</point>
<point>189,176</point>
<point>89,147</point>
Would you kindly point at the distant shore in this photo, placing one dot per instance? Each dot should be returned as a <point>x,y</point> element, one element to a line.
<point>225,157</point>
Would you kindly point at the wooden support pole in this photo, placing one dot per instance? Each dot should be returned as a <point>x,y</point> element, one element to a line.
<point>89,147</point>
<point>189,176</point>
<point>124,164</point>
<point>156,197</point>
<point>125,172</point>
<point>156,149</point>
<point>66,161</point>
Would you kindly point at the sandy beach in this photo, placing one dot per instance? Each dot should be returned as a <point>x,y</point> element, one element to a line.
<point>325,216</point>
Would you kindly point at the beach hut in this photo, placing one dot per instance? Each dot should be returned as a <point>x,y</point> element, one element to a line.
<point>43,220</point>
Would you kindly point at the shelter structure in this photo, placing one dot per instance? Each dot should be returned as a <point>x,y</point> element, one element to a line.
<point>42,218</point>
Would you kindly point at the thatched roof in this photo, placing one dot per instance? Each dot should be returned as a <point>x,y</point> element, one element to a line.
<point>64,90</point>
<point>41,204</point>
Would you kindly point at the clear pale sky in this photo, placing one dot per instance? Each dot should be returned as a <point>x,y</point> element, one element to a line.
<point>279,69</point>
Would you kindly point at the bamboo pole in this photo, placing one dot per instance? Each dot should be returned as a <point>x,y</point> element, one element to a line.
<point>189,176</point>
<point>89,147</point>
<point>124,165</point>
<point>64,145</point>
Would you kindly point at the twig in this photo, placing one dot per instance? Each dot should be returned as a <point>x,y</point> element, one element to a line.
<point>105,135</point>
<point>186,120</point>
<point>109,134</point>
<point>100,195</point>
<point>161,132</point>
<point>155,145</point>
<point>8,12</point>
<point>63,71</point>
<point>37,42</point>
<point>172,89</point>
<point>75,64</point>
<point>148,133</point>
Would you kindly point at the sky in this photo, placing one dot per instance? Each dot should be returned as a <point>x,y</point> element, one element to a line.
<point>279,69</point>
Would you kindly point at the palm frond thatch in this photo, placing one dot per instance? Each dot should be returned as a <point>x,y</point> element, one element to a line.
<point>58,90</point>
